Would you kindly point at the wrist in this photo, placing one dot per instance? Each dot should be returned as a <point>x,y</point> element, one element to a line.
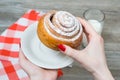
<point>102,73</point>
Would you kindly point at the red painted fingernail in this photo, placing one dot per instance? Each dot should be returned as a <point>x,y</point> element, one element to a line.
<point>61,47</point>
<point>60,73</point>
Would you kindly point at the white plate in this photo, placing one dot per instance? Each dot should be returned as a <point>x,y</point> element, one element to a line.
<point>39,54</point>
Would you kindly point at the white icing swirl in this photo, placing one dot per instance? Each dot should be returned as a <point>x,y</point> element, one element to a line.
<point>64,24</point>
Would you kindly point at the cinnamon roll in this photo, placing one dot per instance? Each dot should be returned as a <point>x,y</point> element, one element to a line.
<point>59,27</point>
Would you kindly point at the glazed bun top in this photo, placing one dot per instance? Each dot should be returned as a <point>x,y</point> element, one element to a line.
<point>62,25</point>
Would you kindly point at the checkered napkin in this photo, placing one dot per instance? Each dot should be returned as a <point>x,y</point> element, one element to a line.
<point>9,47</point>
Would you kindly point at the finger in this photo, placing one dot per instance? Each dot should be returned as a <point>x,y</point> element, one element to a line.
<point>21,56</point>
<point>25,64</point>
<point>88,30</point>
<point>87,27</point>
<point>22,60</point>
<point>69,51</point>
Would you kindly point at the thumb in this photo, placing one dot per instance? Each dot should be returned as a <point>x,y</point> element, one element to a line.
<point>67,50</point>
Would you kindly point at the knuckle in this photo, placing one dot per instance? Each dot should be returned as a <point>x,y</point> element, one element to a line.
<point>99,39</point>
<point>73,53</point>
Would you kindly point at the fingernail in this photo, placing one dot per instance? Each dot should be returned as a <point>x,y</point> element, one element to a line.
<point>60,73</point>
<point>61,47</point>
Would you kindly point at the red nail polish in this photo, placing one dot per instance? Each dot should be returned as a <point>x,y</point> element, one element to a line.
<point>60,73</point>
<point>61,47</point>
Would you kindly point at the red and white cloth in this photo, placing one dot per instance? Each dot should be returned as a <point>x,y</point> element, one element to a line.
<point>9,47</point>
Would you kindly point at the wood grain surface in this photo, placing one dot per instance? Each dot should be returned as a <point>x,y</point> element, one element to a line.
<point>11,10</point>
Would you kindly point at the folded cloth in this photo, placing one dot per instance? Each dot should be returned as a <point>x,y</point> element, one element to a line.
<point>9,47</point>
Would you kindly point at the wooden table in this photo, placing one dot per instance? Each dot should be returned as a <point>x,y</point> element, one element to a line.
<point>11,10</point>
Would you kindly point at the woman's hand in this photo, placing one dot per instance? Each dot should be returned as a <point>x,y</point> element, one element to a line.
<point>92,58</point>
<point>35,72</point>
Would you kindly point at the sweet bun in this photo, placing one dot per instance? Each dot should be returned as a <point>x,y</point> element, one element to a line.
<point>59,27</point>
